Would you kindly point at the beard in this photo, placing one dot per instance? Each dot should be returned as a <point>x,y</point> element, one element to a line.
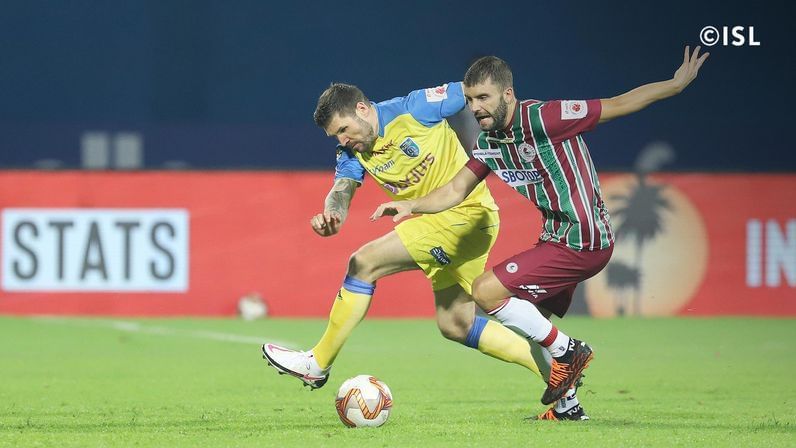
<point>498,116</point>
<point>369,139</point>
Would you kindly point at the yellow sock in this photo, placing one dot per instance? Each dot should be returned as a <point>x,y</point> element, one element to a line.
<point>499,342</point>
<point>348,310</point>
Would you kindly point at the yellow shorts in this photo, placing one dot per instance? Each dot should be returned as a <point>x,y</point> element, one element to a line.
<point>451,246</point>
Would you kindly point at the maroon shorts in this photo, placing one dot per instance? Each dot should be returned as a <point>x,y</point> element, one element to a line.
<point>548,273</point>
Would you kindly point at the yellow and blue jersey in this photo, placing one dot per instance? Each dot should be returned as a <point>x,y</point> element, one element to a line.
<point>416,150</point>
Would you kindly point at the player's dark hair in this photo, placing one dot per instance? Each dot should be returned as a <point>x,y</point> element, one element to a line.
<point>489,67</point>
<point>338,99</point>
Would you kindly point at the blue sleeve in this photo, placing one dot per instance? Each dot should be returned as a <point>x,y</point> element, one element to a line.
<point>348,166</point>
<point>432,105</point>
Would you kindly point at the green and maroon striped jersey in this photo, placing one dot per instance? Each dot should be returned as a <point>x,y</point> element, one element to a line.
<point>543,156</point>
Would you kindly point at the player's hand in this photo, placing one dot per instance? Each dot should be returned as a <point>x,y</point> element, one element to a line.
<point>397,209</point>
<point>689,69</point>
<point>326,223</point>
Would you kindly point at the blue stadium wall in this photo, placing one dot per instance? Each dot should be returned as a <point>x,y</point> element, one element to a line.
<point>226,85</point>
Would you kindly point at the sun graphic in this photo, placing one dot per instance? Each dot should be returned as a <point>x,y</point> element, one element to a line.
<point>661,250</point>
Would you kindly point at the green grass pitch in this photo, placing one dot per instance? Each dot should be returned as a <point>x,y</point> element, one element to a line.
<point>202,382</point>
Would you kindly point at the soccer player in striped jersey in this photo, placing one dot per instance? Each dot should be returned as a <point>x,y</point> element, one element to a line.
<point>407,147</point>
<point>536,147</point>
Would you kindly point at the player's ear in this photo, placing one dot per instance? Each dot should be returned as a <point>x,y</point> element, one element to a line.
<point>508,94</point>
<point>363,110</point>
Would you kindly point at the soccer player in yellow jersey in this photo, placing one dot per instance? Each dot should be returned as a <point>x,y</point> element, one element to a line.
<point>408,148</point>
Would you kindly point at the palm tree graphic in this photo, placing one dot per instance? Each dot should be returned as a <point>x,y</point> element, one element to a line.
<point>640,219</point>
<point>622,277</point>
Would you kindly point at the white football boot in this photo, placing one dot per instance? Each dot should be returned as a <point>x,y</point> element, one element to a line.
<point>302,365</point>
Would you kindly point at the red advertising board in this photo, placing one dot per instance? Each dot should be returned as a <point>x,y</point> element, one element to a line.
<point>102,243</point>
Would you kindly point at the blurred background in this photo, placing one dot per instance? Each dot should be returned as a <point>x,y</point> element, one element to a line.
<point>216,85</point>
<point>159,157</point>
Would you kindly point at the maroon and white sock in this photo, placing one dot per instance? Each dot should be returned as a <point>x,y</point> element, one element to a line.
<point>524,317</point>
<point>556,342</point>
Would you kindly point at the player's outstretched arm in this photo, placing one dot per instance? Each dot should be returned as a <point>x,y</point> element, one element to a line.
<point>641,97</point>
<point>335,208</point>
<point>443,198</point>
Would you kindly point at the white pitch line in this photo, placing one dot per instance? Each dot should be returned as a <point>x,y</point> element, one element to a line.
<point>136,327</point>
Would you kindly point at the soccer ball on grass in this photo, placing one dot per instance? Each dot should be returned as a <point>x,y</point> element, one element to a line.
<point>363,401</point>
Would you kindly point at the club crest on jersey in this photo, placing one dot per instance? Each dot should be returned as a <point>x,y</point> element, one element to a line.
<point>410,148</point>
<point>527,152</point>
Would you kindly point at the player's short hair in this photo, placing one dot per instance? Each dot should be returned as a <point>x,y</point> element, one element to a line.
<point>489,67</point>
<point>338,99</point>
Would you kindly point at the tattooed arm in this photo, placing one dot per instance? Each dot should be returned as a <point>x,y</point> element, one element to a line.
<point>335,209</point>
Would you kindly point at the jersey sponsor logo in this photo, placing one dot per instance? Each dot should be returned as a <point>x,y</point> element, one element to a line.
<point>384,148</point>
<point>527,152</point>
<point>410,148</point>
<point>517,178</point>
<point>437,94</point>
<point>482,154</point>
<point>382,168</point>
<point>535,290</point>
<point>439,254</point>
<point>573,110</point>
<point>413,178</point>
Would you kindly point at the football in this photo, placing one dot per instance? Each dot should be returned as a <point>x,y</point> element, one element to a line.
<point>363,401</point>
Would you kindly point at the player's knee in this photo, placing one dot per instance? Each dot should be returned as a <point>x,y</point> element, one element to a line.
<point>452,328</point>
<point>362,265</point>
<point>481,295</point>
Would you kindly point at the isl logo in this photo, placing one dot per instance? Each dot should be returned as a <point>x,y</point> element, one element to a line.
<point>736,36</point>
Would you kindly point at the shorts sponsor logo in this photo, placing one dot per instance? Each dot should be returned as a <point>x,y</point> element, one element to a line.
<point>535,290</point>
<point>512,268</point>
<point>573,110</point>
<point>439,254</point>
<point>57,250</point>
<point>517,178</point>
<point>410,148</point>
<point>527,152</point>
<point>437,94</point>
